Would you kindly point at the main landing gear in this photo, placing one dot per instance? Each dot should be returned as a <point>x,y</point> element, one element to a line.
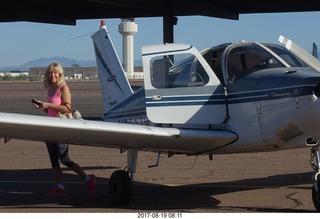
<point>315,163</point>
<point>120,184</point>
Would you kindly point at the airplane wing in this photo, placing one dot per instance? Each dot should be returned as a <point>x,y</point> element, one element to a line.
<point>117,135</point>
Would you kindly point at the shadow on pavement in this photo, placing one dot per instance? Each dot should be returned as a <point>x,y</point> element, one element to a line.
<point>26,189</point>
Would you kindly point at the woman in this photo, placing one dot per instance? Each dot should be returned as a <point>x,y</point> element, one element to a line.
<point>59,100</point>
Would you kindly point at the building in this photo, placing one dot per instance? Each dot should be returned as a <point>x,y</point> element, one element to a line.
<point>71,73</point>
<point>13,73</point>
<point>80,73</point>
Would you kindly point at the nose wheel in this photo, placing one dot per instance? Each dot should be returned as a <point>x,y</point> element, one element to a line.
<point>315,164</point>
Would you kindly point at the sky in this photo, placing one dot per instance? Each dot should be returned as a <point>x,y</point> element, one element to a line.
<point>21,42</point>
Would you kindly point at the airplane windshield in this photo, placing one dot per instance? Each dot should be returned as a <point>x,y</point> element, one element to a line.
<point>284,54</point>
<point>244,59</point>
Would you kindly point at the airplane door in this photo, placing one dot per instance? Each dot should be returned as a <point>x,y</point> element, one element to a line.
<point>186,92</point>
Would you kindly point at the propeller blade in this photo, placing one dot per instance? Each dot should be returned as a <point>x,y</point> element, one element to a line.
<point>301,53</point>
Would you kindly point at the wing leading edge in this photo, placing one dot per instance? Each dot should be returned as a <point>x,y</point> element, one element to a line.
<point>116,135</point>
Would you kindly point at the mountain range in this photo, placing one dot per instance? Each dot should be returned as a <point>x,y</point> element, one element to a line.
<point>44,62</point>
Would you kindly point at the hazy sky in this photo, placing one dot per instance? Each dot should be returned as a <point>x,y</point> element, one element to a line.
<point>21,42</point>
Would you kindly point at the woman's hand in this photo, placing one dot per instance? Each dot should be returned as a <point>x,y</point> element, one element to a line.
<point>44,105</point>
<point>40,105</point>
<point>36,103</point>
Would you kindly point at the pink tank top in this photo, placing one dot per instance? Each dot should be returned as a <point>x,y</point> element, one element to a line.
<point>56,100</point>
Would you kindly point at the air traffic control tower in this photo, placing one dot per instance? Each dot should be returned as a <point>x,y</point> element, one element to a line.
<point>127,28</point>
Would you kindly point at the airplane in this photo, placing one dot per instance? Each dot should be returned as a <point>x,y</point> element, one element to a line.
<point>231,98</point>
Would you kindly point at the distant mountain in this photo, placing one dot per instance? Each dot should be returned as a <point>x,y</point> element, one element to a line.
<point>44,62</point>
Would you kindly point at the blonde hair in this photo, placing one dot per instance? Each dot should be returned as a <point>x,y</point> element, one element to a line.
<point>53,67</point>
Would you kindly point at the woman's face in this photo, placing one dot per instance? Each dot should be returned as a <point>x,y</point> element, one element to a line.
<point>54,76</point>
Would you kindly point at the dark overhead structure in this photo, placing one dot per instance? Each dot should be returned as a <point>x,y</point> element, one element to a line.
<point>68,11</point>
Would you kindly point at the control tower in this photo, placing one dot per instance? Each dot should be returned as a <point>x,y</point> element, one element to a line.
<point>127,28</point>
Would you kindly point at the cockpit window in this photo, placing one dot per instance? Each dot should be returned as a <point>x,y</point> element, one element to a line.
<point>245,59</point>
<point>288,57</point>
<point>186,73</point>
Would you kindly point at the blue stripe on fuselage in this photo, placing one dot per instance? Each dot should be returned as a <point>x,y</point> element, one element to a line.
<point>234,97</point>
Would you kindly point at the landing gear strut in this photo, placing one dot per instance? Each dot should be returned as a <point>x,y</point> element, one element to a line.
<point>120,184</point>
<point>315,163</point>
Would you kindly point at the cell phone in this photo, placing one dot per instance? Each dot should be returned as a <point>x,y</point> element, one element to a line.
<point>35,102</point>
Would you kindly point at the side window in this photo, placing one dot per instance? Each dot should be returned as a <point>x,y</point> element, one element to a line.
<point>186,72</point>
<point>160,72</point>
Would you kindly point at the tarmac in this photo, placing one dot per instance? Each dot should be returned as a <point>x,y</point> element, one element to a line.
<point>269,182</point>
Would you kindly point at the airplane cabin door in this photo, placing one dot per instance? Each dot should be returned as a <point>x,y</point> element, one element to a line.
<point>181,87</point>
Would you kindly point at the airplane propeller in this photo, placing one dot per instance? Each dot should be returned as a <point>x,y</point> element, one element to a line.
<point>301,53</point>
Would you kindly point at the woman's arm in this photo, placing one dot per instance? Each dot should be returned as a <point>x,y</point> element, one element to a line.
<point>66,99</point>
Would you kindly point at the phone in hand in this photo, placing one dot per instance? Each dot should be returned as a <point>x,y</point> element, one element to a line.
<point>35,102</point>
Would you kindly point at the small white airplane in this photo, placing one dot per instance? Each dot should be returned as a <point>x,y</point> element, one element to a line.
<point>232,98</point>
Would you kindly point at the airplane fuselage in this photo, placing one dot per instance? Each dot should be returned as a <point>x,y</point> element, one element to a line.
<point>267,104</point>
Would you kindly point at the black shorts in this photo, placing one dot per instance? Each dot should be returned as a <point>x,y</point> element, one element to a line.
<point>58,152</point>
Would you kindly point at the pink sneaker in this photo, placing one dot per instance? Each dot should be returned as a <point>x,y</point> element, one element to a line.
<point>57,192</point>
<point>91,185</point>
